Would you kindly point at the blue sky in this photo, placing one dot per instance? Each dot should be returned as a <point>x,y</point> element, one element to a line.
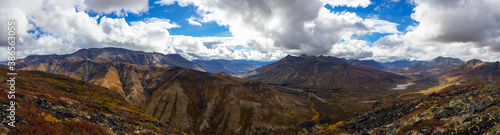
<point>393,11</point>
<point>176,14</point>
<point>263,30</point>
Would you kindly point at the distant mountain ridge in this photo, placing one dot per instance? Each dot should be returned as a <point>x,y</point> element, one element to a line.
<point>370,63</point>
<point>392,66</point>
<point>232,67</point>
<point>103,55</point>
<point>438,62</point>
<point>325,73</point>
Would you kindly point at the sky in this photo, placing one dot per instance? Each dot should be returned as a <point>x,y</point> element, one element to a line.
<point>263,30</point>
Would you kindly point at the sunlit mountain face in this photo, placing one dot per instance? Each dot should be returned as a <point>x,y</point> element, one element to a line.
<point>249,67</point>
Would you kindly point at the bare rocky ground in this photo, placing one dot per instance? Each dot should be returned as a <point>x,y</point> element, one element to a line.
<point>471,109</point>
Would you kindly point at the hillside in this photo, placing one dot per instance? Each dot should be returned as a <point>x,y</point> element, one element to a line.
<point>209,103</point>
<point>326,73</point>
<point>470,109</point>
<point>54,104</point>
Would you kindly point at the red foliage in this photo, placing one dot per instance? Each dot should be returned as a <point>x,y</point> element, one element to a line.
<point>91,105</point>
<point>36,124</point>
<point>444,91</point>
<point>85,128</point>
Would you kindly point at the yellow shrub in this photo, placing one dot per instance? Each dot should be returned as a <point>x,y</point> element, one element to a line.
<point>49,118</point>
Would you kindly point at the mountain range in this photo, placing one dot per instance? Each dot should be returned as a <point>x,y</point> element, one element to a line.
<point>48,63</point>
<point>123,91</point>
<point>187,99</point>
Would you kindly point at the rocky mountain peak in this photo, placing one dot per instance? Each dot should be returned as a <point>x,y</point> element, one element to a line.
<point>446,61</point>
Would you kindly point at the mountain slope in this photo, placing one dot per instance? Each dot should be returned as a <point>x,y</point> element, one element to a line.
<point>121,77</point>
<point>438,64</point>
<point>369,63</point>
<point>327,73</point>
<point>438,76</point>
<point>119,70</point>
<point>103,55</point>
<point>53,104</point>
<point>221,104</point>
<point>472,71</point>
<point>232,67</point>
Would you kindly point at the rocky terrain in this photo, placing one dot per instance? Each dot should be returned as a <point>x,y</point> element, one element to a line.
<point>53,104</point>
<point>471,109</point>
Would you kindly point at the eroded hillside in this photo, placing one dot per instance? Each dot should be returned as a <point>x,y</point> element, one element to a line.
<point>54,104</point>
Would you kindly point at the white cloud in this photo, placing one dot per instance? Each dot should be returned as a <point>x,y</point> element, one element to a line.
<point>191,20</point>
<point>296,27</point>
<point>455,28</point>
<point>457,21</point>
<point>349,3</point>
<point>119,7</point>
<point>165,2</point>
<point>352,49</point>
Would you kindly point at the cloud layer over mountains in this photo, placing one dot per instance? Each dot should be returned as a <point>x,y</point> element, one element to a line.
<point>267,30</point>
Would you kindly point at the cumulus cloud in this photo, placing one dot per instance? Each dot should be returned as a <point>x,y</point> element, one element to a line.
<point>191,20</point>
<point>119,7</point>
<point>458,21</point>
<point>296,26</point>
<point>349,3</point>
<point>456,28</point>
<point>352,49</point>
